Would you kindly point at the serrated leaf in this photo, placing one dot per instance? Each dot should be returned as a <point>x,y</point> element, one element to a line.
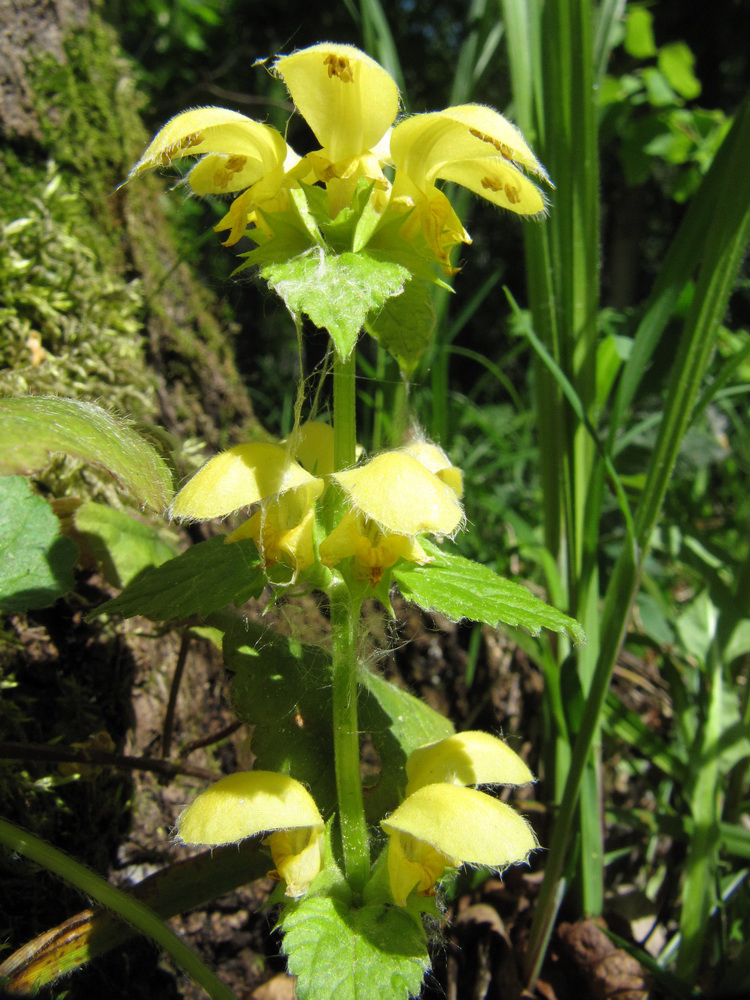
<point>203,579</point>
<point>336,291</point>
<point>283,689</point>
<point>36,561</point>
<point>459,588</point>
<point>398,723</point>
<point>377,952</point>
<point>34,427</point>
<point>405,324</point>
<point>123,545</point>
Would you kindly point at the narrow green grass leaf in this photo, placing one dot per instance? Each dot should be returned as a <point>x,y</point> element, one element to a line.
<point>629,727</point>
<point>34,427</point>
<point>459,588</point>
<point>175,889</point>
<point>138,915</point>
<point>723,242</point>
<point>698,891</point>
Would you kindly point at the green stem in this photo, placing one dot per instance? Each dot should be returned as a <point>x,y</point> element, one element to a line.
<point>344,620</point>
<point>344,412</point>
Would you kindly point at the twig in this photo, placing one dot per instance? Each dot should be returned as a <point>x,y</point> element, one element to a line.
<point>166,736</point>
<point>206,741</point>
<point>55,754</point>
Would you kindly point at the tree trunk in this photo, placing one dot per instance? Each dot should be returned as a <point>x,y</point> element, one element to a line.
<point>100,305</point>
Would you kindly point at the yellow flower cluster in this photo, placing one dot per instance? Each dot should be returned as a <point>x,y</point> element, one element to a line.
<point>441,824</point>
<point>391,499</point>
<point>351,103</point>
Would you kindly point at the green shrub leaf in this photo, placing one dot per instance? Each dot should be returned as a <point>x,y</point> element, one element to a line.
<point>36,561</point>
<point>121,544</point>
<point>398,723</point>
<point>377,952</point>
<point>34,427</point>
<point>459,588</point>
<point>405,324</point>
<point>203,579</point>
<point>283,689</point>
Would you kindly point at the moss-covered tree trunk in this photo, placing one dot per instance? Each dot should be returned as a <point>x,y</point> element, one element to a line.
<point>96,301</point>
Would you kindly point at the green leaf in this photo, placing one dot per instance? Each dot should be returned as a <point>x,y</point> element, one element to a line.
<point>639,33</point>
<point>283,689</point>
<point>36,561</point>
<point>405,324</point>
<point>398,723</point>
<point>123,545</point>
<point>659,93</point>
<point>34,427</point>
<point>676,62</point>
<point>377,952</point>
<point>459,588</point>
<point>203,579</point>
<point>336,291</point>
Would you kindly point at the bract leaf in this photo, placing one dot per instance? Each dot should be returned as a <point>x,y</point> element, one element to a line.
<point>205,578</point>
<point>34,427</point>
<point>459,588</point>
<point>36,561</point>
<point>378,952</point>
<point>337,292</point>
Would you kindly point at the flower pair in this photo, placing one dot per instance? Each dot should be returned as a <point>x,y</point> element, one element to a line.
<point>390,500</point>
<point>350,103</point>
<point>441,824</point>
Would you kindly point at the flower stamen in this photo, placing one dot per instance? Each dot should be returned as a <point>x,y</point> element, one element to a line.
<point>340,67</point>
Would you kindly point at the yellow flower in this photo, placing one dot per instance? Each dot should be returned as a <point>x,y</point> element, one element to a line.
<point>252,802</point>
<point>313,447</point>
<point>401,496</point>
<point>471,145</point>
<point>393,498</point>
<point>442,824</point>
<point>237,154</point>
<point>349,101</point>
<point>468,758</point>
<point>373,550</point>
<point>283,529</point>
<point>434,458</point>
<point>242,476</point>
<point>262,474</point>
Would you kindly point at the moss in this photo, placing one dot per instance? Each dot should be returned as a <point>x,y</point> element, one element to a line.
<point>98,303</point>
<point>88,107</point>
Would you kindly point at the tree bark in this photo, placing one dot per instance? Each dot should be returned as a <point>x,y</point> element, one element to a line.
<point>68,97</point>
